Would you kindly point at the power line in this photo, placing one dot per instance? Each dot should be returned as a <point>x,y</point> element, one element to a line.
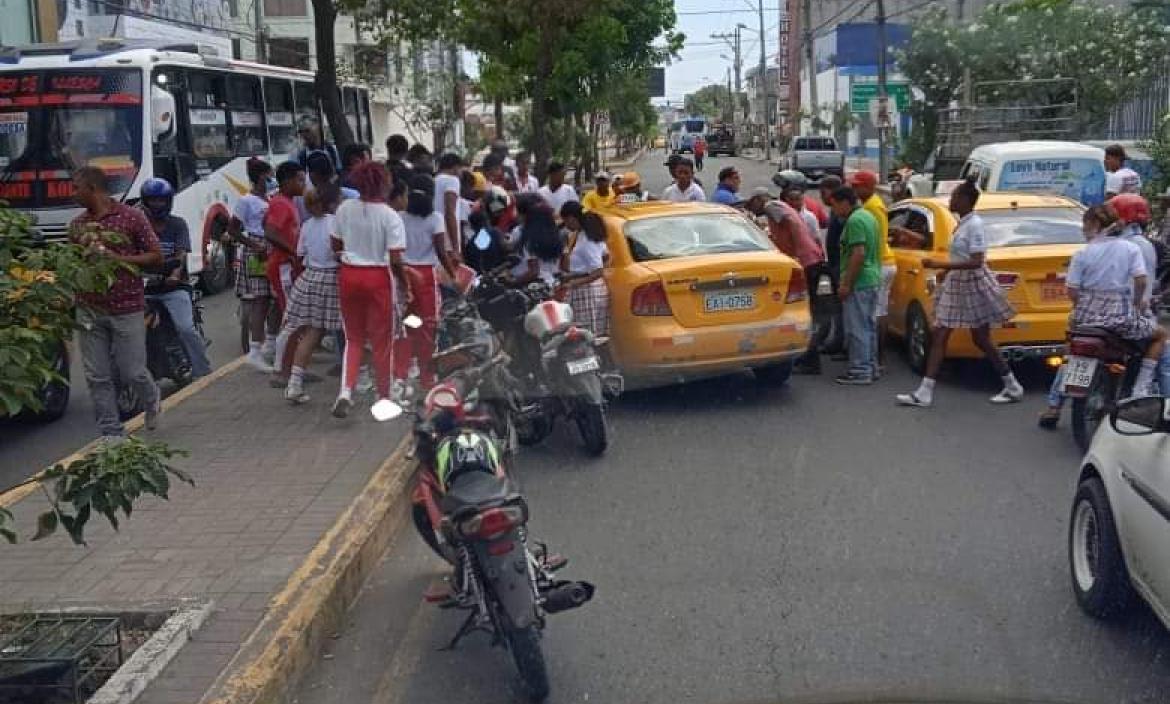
<point>842,11</point>
<point>725,12</point>
<point>919,6</point>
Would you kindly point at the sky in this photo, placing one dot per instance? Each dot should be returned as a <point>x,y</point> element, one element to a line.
<point>700,63</point>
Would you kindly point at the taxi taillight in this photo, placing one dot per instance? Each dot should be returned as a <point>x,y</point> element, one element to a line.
<point>650,299</point>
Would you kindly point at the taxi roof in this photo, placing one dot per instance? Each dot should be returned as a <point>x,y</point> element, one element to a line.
<point>657,208</point>
<point>1003,200</point>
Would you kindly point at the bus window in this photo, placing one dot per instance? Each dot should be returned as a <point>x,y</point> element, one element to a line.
<point>247,113</point>
<point>306,100</point>
<point>278,107</point>
<point>172,157</point>
<point>208,118</point>
<point>349,106</point>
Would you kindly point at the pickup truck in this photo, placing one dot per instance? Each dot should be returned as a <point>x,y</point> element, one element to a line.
<point>814,156</point>
<point>721,142</point>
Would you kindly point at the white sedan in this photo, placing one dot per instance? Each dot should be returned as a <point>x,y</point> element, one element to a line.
<point>1119,533</point>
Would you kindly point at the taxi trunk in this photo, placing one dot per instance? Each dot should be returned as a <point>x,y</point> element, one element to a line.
<point>727,289</point>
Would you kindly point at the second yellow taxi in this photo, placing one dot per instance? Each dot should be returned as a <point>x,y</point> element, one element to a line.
<point>1031,239</point>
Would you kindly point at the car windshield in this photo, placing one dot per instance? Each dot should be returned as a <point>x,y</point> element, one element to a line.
<point>693,235</point>
<point>1009,227</point>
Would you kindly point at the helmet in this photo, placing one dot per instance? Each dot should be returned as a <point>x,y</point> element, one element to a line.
<point>1130,208</point>
<point>467,451</point>
<point>158,188</point>
<point>788,178</point>
<point>630,182</point>
<point>480,184</point>
<point>495,201</point>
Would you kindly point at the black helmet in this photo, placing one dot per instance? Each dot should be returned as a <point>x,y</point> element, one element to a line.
<point>789,178</point>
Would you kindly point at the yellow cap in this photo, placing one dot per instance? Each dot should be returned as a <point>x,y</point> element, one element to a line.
<point>481,184</point>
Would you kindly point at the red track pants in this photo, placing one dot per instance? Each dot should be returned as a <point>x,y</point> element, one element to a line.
<point>367,310</point>
<point>419,343</point>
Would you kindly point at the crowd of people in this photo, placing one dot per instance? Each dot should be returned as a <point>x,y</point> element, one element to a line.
<point>331,243</point>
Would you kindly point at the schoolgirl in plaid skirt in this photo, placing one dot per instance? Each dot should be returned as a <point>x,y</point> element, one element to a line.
<point>969,297</point>
<point>588,293</point>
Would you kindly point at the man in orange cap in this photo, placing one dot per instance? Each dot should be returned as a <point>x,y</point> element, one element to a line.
<point>865,185</point>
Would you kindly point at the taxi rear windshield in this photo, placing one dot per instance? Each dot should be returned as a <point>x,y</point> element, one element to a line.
<point>693,235</point>
<point>1031,226</point>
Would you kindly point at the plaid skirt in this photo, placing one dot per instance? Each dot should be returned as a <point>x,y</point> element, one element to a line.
<point>249,287</point>
<point>590,304</point>
<point>1112,310</point>
<point>314,301</point>
<point>971,298</point>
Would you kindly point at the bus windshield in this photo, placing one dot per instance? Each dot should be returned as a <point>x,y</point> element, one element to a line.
<point>54,122</point>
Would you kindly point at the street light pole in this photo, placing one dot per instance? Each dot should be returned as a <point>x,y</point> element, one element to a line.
<point>812,67</point>
<point>882,94</point>
<point>764,85</point>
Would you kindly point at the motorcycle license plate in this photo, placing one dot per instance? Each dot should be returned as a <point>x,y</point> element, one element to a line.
<point>1078,374</point>
<point>729,300</point>
<point>580,366</point>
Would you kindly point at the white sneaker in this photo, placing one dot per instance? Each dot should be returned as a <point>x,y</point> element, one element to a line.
<point>296,395</point>
<point>1010,394</point>
<point>268,352</point>
<point>912,399</point>
<point>257,361</point>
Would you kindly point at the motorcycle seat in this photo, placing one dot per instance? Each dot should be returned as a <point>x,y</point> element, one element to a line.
<point>477,490</point>
<point>1109,337</point>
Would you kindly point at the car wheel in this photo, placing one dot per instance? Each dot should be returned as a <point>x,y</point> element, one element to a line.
<point>917,339</point>
<point>774,374</point>
<point>54,395</point>
<point>1099,577</point>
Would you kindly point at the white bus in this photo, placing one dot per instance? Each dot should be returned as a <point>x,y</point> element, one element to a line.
<point>684,132</point>
<point>140,109</point>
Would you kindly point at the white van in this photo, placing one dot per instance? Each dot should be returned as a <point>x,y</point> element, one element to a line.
<point>1069,169</point>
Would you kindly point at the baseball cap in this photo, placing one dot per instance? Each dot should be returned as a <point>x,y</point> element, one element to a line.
<point>863,178</point>
<point>602,176</point>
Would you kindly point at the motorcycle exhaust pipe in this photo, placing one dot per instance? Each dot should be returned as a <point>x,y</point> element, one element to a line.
<point>567,596</point>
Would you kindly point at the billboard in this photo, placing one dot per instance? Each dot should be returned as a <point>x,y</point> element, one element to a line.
<point>853,48</point>
<point>656,83</point>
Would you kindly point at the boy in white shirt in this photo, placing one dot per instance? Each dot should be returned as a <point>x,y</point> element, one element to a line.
<point>684,189</point>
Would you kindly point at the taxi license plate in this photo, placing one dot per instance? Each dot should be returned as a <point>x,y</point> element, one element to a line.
<point>1052,292</point>
<point>1078,374</point>
<point>729,300</point>
<point>580,366</point>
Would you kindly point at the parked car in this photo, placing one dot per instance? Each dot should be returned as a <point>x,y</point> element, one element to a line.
<point>1031,239</point>
<point>721,142</point>
<point>697,289</point>
<point>1119,528</point>
<point>814,156</point>
<point>1069,169</point>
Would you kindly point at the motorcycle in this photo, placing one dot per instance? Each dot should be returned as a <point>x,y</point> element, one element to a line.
<point>1100,370</point>
<point>165,356</point>
<point>471,513</point>
<point>556,362</point>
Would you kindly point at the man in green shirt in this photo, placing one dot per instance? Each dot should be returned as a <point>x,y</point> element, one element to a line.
<point>861,277</point>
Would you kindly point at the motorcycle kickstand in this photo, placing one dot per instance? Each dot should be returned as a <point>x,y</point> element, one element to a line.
<point>464,630</point>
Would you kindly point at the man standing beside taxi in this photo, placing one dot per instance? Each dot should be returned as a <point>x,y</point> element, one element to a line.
<point>861,276</point>
<point>865,186</point>
<point>112,336</point>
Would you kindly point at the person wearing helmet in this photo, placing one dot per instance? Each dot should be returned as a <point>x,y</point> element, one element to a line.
<point>1134,213</point>
<point>488,249</point>
<point>791,177</point>
<point>629,188</point>
<point>169,285</point>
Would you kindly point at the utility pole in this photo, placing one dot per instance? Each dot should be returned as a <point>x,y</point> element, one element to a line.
<point>812,65</point>
<point>738,60</point>
<point>261,49</point>
<point>883,125</point>
<point>730,112</point>
<point>764,85</point>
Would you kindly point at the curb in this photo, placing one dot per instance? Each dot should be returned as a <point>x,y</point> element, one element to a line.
<point>131,426</point>
<point>313,603</point>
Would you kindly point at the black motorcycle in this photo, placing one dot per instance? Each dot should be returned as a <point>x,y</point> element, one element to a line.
<point>165,356</point>
<point>556,363</point>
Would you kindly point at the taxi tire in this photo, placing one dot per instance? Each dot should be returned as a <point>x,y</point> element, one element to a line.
<point>774,374</point>
<point>917,338</point>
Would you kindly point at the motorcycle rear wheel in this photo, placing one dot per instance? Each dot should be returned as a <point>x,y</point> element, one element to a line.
<point>594,429</point>
<point>524,644</point>
<point>1090,410</point>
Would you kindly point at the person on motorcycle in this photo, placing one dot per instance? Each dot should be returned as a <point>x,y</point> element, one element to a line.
<point>540,247</point>
<point>169,287</point>
<point>1106,282</point>
<point>1134,212</point>
<point>487,248</point>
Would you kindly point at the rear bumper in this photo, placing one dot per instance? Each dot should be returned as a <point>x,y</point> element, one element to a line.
<point>1027,336</point>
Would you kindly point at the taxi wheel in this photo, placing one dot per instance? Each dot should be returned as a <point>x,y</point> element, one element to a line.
<point>917,339</point>
<point>774,374</point>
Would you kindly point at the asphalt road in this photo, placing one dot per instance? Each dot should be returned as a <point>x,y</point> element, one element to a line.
<point>813,543</point>
<point>27,447</point>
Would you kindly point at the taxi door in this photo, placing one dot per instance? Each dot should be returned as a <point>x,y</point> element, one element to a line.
<point>910,281</point>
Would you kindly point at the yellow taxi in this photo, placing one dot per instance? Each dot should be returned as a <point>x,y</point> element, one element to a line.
<point>1030,238</point>
<point>697,289</point>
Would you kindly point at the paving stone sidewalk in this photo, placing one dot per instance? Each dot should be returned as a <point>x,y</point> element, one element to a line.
<point>270,480</point>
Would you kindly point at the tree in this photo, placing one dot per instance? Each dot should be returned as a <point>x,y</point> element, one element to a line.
<point>1029,40</point>
<point>713,100</point>
<point>39,284</point>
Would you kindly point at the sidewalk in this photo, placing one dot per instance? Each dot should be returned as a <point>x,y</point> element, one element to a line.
<point>283,496</point>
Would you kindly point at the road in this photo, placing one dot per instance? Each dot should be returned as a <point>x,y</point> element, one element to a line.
<point>26,447</point>
<point>814,543</point>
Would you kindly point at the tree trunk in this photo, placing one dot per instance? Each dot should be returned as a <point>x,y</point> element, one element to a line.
<point>324,19</point>
<point>499,115</point>
<point>580,149</point>
<point>540,102</point>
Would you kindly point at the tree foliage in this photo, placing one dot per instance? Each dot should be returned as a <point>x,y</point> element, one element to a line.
<point>1108,52</point>
<point>715,101</point>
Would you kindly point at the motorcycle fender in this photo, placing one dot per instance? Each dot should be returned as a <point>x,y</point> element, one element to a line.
<point>507,576</point>
<point>585,386</point>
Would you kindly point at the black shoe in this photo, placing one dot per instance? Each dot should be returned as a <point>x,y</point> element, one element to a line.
<point>839,356</point>
<point>851,379</point>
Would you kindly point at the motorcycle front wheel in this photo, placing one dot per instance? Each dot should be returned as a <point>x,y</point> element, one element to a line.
<point>524,644</point>
<point>594,429</point>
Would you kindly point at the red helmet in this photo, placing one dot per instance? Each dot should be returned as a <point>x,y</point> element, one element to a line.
<point>1130,208</point>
